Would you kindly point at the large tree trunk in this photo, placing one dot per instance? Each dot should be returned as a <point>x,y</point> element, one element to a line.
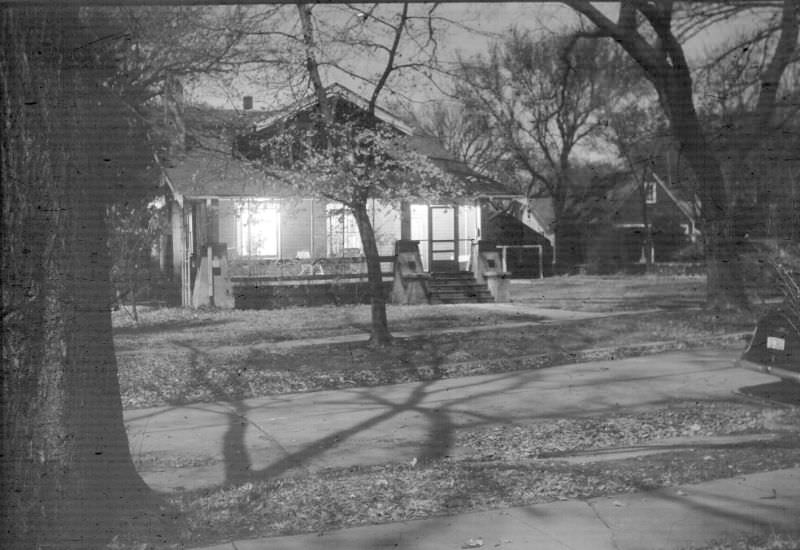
<point>67,474</point>
<point>567,249</point>
<point>725,284</point>
<point>380,326</point>
<point>648,228</point>
<point>666,66</point>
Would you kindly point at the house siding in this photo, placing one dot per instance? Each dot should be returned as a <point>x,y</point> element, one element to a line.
<point>227,226</point>
<point>631,211</point>
<point>386,223</point>
<point>622,242</point>
<point>318,230</point>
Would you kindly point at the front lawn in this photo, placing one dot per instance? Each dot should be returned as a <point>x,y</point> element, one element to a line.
<point>175,356</point>
<point>178,356</point>
<point>612,292</point>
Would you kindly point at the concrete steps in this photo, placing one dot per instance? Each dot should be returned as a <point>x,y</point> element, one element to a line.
<point>458,287</point>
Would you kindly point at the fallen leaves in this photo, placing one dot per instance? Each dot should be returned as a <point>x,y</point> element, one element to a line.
<point>549,439</point>
<point>178,359</point>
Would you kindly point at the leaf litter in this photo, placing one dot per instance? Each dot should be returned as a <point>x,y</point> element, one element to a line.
<point>496,468</point>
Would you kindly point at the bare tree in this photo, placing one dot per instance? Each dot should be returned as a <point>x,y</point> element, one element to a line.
<point>635,134</point>
<point>645,29</point>
<point>465,134</point>
<point>543,99</point>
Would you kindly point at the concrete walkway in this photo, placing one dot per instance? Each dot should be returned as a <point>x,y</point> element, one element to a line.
<point>207,444</point>
<point>673,518</point>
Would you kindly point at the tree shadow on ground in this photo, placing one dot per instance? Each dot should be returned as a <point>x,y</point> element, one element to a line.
<point>169,326</point>
<point>421,399</point>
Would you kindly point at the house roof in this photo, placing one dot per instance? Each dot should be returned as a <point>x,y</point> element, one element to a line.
<point>209,168</point>
<point>210,173</point>
<point>542,210</point>
<point>477,185</point>
<point>333,91</point>
<point>616,196</point>
<point>688,209</point>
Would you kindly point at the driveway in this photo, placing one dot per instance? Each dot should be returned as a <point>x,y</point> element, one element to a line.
<point>204,445</point>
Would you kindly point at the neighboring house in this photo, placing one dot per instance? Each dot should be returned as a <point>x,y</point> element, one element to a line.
<point>233,222</point>
<point>616,233</point>
<point>525,229</point>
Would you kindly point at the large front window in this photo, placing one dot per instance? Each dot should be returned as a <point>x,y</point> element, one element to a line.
<point>343,235</point>
<point>258,223</point>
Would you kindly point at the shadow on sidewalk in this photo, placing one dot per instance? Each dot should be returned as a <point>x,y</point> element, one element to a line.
<point>438,443</point>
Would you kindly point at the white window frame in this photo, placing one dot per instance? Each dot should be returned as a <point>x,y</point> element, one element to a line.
<point>650,192</point>
<point>341,234</point>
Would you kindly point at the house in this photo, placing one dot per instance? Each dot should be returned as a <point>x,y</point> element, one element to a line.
<point>616,230</point>
<point>525,231</point>
<point>240,236</point>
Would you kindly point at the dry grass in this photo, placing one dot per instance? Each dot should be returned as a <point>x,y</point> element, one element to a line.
<point>178,356</point>
<point>611,293</point>
<point>222,356</point>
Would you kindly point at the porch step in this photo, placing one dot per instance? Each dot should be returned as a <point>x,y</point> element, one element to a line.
<point>457,288</point>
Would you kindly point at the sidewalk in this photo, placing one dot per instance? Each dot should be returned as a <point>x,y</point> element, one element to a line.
<point>671,518</point>
<point>194,446</point>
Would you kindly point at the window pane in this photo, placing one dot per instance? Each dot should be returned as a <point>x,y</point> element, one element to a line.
<point>343,236</point>
<point>258,226</point>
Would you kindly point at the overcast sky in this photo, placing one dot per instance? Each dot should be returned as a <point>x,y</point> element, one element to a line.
<point>490,20</point>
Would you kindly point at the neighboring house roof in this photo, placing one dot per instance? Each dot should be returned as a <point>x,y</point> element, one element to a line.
<point>612,201</point>
<point>536,214</point>
<point>689,210</point>
<point>209,168</point>
<point>541,210</point>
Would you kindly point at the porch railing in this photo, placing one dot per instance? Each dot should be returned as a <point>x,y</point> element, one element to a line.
<point>242,271</point>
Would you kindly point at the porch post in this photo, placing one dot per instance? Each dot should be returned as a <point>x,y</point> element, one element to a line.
<point>211,237</point>
<point>405,221</point>
<point>456,242</point>
<point>430,238</point>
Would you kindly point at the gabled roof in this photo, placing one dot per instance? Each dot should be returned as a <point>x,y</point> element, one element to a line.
<point>334,91</point>
<point>542,210</point>
<point>210,169</point>
<point>617,195</point>
<point>689,210</point>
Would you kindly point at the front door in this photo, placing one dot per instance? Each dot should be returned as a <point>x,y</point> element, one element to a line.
<point>443,241</point>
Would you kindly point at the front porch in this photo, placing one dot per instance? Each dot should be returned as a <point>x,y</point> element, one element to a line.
<point>306,252</point>
<point>272,284</point>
